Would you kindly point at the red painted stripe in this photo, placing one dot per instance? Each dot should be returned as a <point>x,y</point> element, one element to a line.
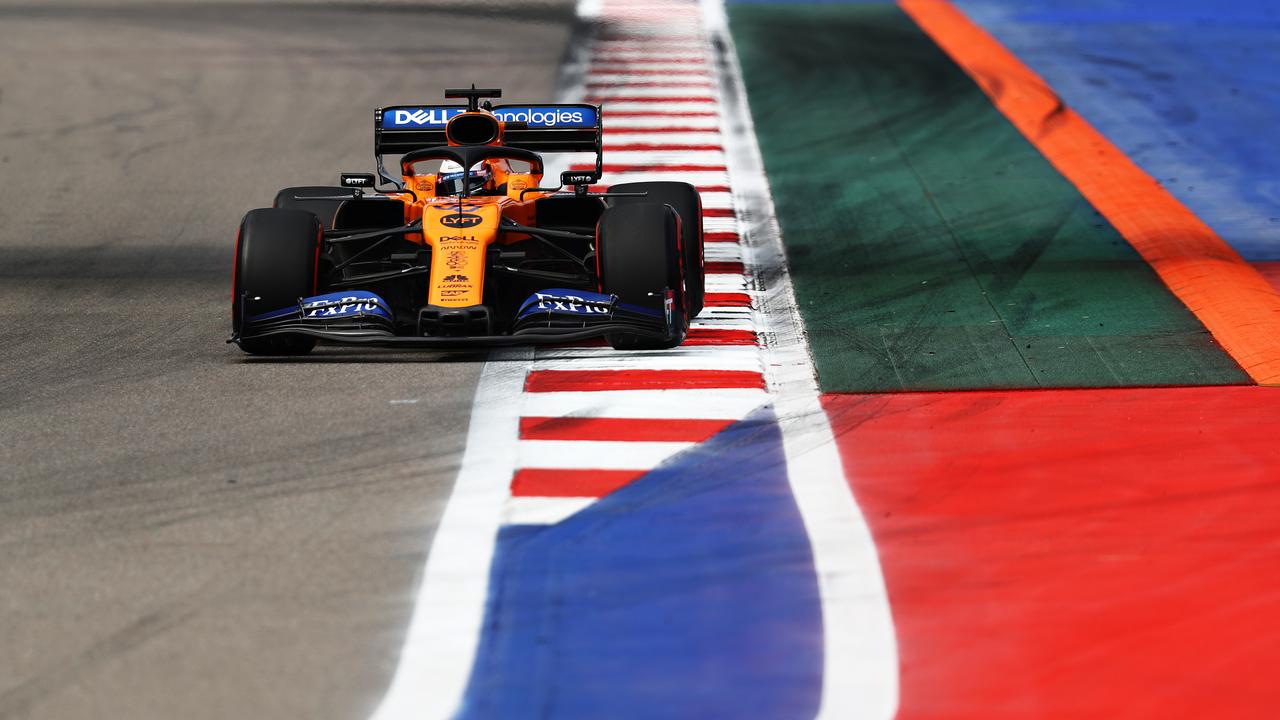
<point>699,337</point>
<point>551,482</point>
<point>596,70</point>
<point>659,147</point>
<point>707,336</point>
<point>661,113</point>
<point>596,380</point>
<point>637,66</point>
<point>638,37</point>
<point>720,236</point>
<point>654,130</point>
<point>651,83</point>
<point>718,212</point>
<point>727,300</point>
<point>651,167</point>
<point>647,99</point>
<point>1058,554</point>
<point>723,267</point>
<point>619,429</point>
<point>728,236</point>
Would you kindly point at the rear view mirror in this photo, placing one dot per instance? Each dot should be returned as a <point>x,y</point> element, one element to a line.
<point>358,180</point>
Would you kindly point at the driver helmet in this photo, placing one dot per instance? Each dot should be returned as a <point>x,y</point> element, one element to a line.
<point>452,179</point>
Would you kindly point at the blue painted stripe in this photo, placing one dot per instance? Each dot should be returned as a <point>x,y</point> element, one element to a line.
<point>1188,89</point>
<point>689,593</point>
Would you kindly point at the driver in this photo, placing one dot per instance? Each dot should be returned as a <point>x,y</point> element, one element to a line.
<point>451,179</point>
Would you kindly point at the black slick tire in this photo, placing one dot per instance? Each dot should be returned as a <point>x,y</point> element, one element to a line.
<point>277,252</point>
<point>316,199</point>
<point>684,199</point>
<point>638,256</point>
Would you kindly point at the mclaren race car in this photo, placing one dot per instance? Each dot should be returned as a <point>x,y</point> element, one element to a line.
<point>465,248</point>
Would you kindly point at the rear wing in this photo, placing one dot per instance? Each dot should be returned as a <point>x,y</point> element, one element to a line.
<point>538,128</point>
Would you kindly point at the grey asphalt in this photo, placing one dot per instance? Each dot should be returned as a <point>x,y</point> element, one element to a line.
<point>186,533</point>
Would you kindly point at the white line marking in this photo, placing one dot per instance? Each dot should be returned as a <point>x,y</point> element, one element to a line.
<point>596,454</point>
<point>441,641</point>
<point>543,510</point>
<point>860,658</point>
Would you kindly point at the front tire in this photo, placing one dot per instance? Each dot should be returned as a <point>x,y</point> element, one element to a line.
<point>316,199</point>
<point>685,200</point>
<point>638,251</point>
<point>277,256</point>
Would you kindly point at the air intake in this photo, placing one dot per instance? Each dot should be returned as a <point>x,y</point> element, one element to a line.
<point>473,129</point>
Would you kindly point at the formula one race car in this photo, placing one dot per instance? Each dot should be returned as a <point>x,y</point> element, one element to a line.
<point>465,248</point>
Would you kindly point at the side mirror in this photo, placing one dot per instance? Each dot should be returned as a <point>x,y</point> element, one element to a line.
<point>358,180</point>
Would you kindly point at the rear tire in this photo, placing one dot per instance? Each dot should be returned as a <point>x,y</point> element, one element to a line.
<point>277,253</point>
<point>687,203</point>
<point>638,251</point>
<point>313,199</point>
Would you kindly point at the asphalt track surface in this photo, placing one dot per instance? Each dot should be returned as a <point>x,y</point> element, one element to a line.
<point>185,532</point>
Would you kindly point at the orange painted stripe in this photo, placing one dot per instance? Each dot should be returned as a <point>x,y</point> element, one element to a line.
<point>1233,301</point>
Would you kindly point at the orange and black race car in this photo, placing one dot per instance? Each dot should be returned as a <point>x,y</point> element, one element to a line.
<point>465,248</point>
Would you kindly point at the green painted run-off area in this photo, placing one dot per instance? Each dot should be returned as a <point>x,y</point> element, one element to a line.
<point>931,246</point>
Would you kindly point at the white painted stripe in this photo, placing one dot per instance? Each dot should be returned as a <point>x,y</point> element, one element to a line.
<point>726,314</point>
<point>726,283</point>
<point>543,510</point>
<point>715,224</point>
<point>636,122</point>
<point>733,404</point>
<point>611,91</point>
<point>588,353</point>
<point>727,358</point>
<point>595,454</point>
<point>676,69</point>
<point>717,200</point>
<point>622,78</point>
<point>633,56</point>
<point>695,177</point>
<point>665,157</point>
<point>704,323</point>
<point>860,658</point>
<point>650,106</point>
<point>722,251</point>
<point>622,137</point>
<point>435,661</point>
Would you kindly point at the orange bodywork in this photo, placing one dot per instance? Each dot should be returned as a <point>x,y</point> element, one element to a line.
<point>460,230</point>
